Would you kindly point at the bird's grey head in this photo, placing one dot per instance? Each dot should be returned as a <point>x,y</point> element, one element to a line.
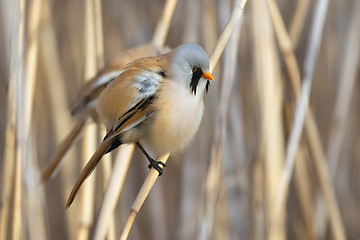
<point>190,65</point>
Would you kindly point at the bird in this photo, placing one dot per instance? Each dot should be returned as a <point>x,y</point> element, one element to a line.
<point>84,106</point>
<point>157,101</point>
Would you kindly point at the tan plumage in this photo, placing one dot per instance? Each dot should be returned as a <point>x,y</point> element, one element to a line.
<point>91,90</point>
<point>122,90</point>
<point>155,100</point>
<point>85,104</point>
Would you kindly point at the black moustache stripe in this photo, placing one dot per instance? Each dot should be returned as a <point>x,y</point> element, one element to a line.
<point>207,85</point>
<point>195,80</point>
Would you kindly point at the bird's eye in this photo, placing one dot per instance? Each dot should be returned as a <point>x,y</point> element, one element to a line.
<point>194,69</point>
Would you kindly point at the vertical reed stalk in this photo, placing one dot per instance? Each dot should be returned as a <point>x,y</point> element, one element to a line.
<point>190,31</point>
<point>347,80</point>
<point>9,139</point>
<point>33,191</point>
<point>55,85</point>
<point>270,92</point>
<point>99,34</point>
<point>209,24</point>
<point>8,163</point>
<point>89,143</point>
<point>258,198</point>
<point>17,74</point>
<point>163,24</point>
<point>32,57</point>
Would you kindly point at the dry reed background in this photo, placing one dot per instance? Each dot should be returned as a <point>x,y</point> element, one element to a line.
<point>225,184</point>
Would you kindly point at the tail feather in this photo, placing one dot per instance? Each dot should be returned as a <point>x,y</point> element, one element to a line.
<point>116,142</point>
<point>94,160</point>
<point>57,158</point>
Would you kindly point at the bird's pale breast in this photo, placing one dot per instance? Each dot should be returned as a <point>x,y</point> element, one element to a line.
<point>177,119</point>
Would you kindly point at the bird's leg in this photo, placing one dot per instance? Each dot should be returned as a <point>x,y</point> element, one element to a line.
<point>153,163</point>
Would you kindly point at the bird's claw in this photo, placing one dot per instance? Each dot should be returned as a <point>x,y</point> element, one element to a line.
<point>156,165</point>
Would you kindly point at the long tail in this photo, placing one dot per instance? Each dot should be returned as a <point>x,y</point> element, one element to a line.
<point>94,160</point>
<point>56,159</point>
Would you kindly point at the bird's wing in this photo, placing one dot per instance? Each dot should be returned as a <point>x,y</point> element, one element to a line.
<point>128,100</point>
<point>134,116</point>
<point>90,92</point>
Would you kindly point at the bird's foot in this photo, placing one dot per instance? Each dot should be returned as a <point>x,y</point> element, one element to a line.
<point>156,165</point>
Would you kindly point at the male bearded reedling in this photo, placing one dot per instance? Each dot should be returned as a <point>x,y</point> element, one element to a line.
<point>155,100</point>
<point>84,108</point>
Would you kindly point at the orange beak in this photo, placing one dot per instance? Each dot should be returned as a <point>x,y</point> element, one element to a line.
<point>208,75</point>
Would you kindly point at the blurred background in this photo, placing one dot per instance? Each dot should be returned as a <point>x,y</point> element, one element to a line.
<point>225,184</point>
